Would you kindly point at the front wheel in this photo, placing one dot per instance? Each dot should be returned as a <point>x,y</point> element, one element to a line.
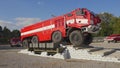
<point>76,38</point>
<point>25,43</point>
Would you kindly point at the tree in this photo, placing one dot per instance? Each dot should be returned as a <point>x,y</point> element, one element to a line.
<point>0,28</point>
<point>110,24</point>
<point>0,31</point>
<point>116,26</point>
<point>15,33</point>
<point>106,24</point>
<point>6,34</point>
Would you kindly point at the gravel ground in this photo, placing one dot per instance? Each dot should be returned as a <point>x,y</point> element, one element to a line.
<point>9,58</point>
<point>107,45</point>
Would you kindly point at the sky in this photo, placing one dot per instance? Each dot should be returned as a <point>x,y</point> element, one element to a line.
<point>15,14</point>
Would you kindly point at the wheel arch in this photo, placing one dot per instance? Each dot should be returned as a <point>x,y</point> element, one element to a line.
<point>29,38</point>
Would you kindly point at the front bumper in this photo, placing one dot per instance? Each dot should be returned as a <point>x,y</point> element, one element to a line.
<point>91,29</point>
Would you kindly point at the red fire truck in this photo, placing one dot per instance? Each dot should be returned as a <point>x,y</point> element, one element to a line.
<point>74,27</point>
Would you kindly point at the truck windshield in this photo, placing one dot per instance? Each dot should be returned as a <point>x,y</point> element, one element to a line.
<point>80,12</point>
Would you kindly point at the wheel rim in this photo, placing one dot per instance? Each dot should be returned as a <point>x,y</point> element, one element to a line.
<point>25,43</point>
<point>75,38</point>
<point>35,40</point>
<point>57,37</point>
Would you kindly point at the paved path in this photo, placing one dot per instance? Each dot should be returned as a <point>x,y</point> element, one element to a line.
<point>9,58</point>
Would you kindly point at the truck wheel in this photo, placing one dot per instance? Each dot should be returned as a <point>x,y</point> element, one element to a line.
<point>25,43</point>
<point>35,41</point>
<point>57,37</point>
<point>76,38</point>
<point>88,39</point>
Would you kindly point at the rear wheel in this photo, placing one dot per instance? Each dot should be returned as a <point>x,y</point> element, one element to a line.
<point>25,43</point>
<point>57,37</point>
<point>35,41</point>
<point>76,38</point>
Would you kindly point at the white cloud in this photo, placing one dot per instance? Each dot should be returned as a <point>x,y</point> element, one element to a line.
<point>8,24</point>
<point>19,22</point>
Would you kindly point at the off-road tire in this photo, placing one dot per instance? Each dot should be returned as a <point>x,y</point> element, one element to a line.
<point>76,38</point>
<point>35,41</point>
<point>25,43</point>
<point>57,37</point>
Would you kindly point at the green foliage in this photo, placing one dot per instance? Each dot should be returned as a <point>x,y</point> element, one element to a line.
<point>116,26</point>
<point>110,24</point>
<point>6,35</point>
<point>0,28</point>
<point>15,33</point>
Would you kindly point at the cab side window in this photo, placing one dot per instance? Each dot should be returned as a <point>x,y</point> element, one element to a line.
<point>59,22</point>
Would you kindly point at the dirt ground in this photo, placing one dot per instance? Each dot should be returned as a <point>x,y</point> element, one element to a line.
<point>10,58</point>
